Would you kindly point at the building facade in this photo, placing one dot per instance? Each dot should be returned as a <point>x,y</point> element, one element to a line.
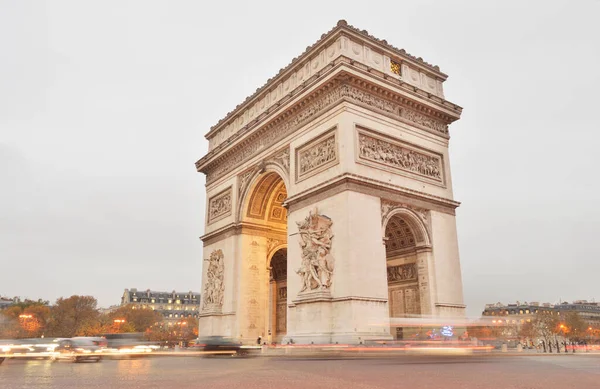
<point>172,305</point>
<point>519,313</point>
<point>330,205</point>
<point>6,302</point>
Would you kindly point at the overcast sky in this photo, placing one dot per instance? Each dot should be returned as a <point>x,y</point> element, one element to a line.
<point>104,106</point>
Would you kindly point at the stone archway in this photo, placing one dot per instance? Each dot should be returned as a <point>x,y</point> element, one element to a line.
<point>278,295</point>
<point>263,221</point>
<point>407,249</point>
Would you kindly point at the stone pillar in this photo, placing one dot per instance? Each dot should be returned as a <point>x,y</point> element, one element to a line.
<point>272,310</point>
<point>354,308</point>
<point>426,280</point>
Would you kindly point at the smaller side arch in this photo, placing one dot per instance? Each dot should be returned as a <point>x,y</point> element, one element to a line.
<point>419,229</point>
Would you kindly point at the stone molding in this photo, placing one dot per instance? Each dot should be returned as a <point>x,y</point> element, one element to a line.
<point>342,40</point>
<point>326,298</point>
<point>220,206</point>
<point>357,183</point>
<point>388,206</point>
<point>317,155</point>
<point>207,314</point>
<point>344,87</point>
<point>383,152</point>
<point>238,229</point>
<point>450,305</point>
<point>415,217</point>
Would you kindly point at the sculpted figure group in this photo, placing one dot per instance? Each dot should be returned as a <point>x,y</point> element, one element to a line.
<point>213,288</point>
<point>317,155</point>
<point>317,262</point>
<point>401,272</point>
<point>380,151</point>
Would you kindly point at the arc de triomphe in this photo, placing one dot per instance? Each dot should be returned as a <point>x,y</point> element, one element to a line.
<point>330,206</point>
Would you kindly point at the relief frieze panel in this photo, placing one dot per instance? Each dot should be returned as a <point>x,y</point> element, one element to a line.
<point>407,272</point>
<point>316,156</point>
<point>399,156</point>
<point>219,206</point>
<point>299,115</point>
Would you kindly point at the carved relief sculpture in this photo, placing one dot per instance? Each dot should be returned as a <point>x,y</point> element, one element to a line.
<point>214,287</point>
<point>275,132</point>
<point>316,156</point>
<point>399,157</point>
<point>389,206</point>
<point>283,159</point>
<point>219,206</point>
<point>406,272</point>
<point>243,181</point>
<point>315,242</point>
<point>272,243</point>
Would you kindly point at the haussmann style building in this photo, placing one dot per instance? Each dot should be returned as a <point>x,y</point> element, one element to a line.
<point>172,305</point>
<point>330,209</point>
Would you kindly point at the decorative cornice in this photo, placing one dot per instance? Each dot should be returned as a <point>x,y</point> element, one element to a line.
<point>341,26</point>
<point>343,87</point>
<point>361,180</point>
<point>241,228</point>
<point>451,305</point>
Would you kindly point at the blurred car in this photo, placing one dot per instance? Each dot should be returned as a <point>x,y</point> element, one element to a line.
<point>77,350</point>
<point>220,345</point>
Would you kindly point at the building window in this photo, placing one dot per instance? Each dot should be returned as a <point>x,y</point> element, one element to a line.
<point>153,301</point>
<point>170,301</point>
<point>178,301</point>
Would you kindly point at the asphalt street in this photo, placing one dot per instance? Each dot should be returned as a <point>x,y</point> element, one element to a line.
<point>544,371</point>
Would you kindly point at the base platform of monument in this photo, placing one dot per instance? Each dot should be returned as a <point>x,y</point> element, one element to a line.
<point>351,338</point>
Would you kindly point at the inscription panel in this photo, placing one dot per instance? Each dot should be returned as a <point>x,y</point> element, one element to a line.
<point>317,155</point>
<point>379,151</point>
<point>219,206</point>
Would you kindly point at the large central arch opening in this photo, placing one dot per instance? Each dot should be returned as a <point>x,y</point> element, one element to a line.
<point>404,235</point>
<point>265,215</point>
